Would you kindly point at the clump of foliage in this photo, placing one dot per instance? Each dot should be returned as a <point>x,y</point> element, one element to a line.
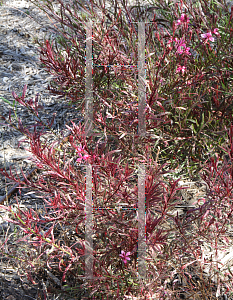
<point>188,116</point>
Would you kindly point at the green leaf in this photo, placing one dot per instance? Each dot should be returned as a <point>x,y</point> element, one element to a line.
<point>192,127</point>
<point>7,101</point>
<point>224,87</point>
<point>191,121</point>
<point>202,121</point>
<point>200,126</point>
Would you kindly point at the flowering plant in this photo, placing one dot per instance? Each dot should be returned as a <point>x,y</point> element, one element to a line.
<point>184,98</point>
<point>125,256</point>
<point>178,49</point>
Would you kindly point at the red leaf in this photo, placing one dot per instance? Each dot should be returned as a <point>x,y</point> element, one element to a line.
<point>184,266</point>
<point>24,91</point>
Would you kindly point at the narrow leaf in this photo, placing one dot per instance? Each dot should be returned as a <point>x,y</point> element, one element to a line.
<point>7,101</point>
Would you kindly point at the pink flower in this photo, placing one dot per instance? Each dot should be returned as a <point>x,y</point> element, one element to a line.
<point>183,19</point>
<point>125,256</point>
<point>186,51</point>
<point>80,149</point>
<point>208,36</point>
<point>180,69</point>
<point>180,43</point>
<point>182,46</point>
<point>215,31</point>
<point>85,157</point>
<point>82,157</point>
